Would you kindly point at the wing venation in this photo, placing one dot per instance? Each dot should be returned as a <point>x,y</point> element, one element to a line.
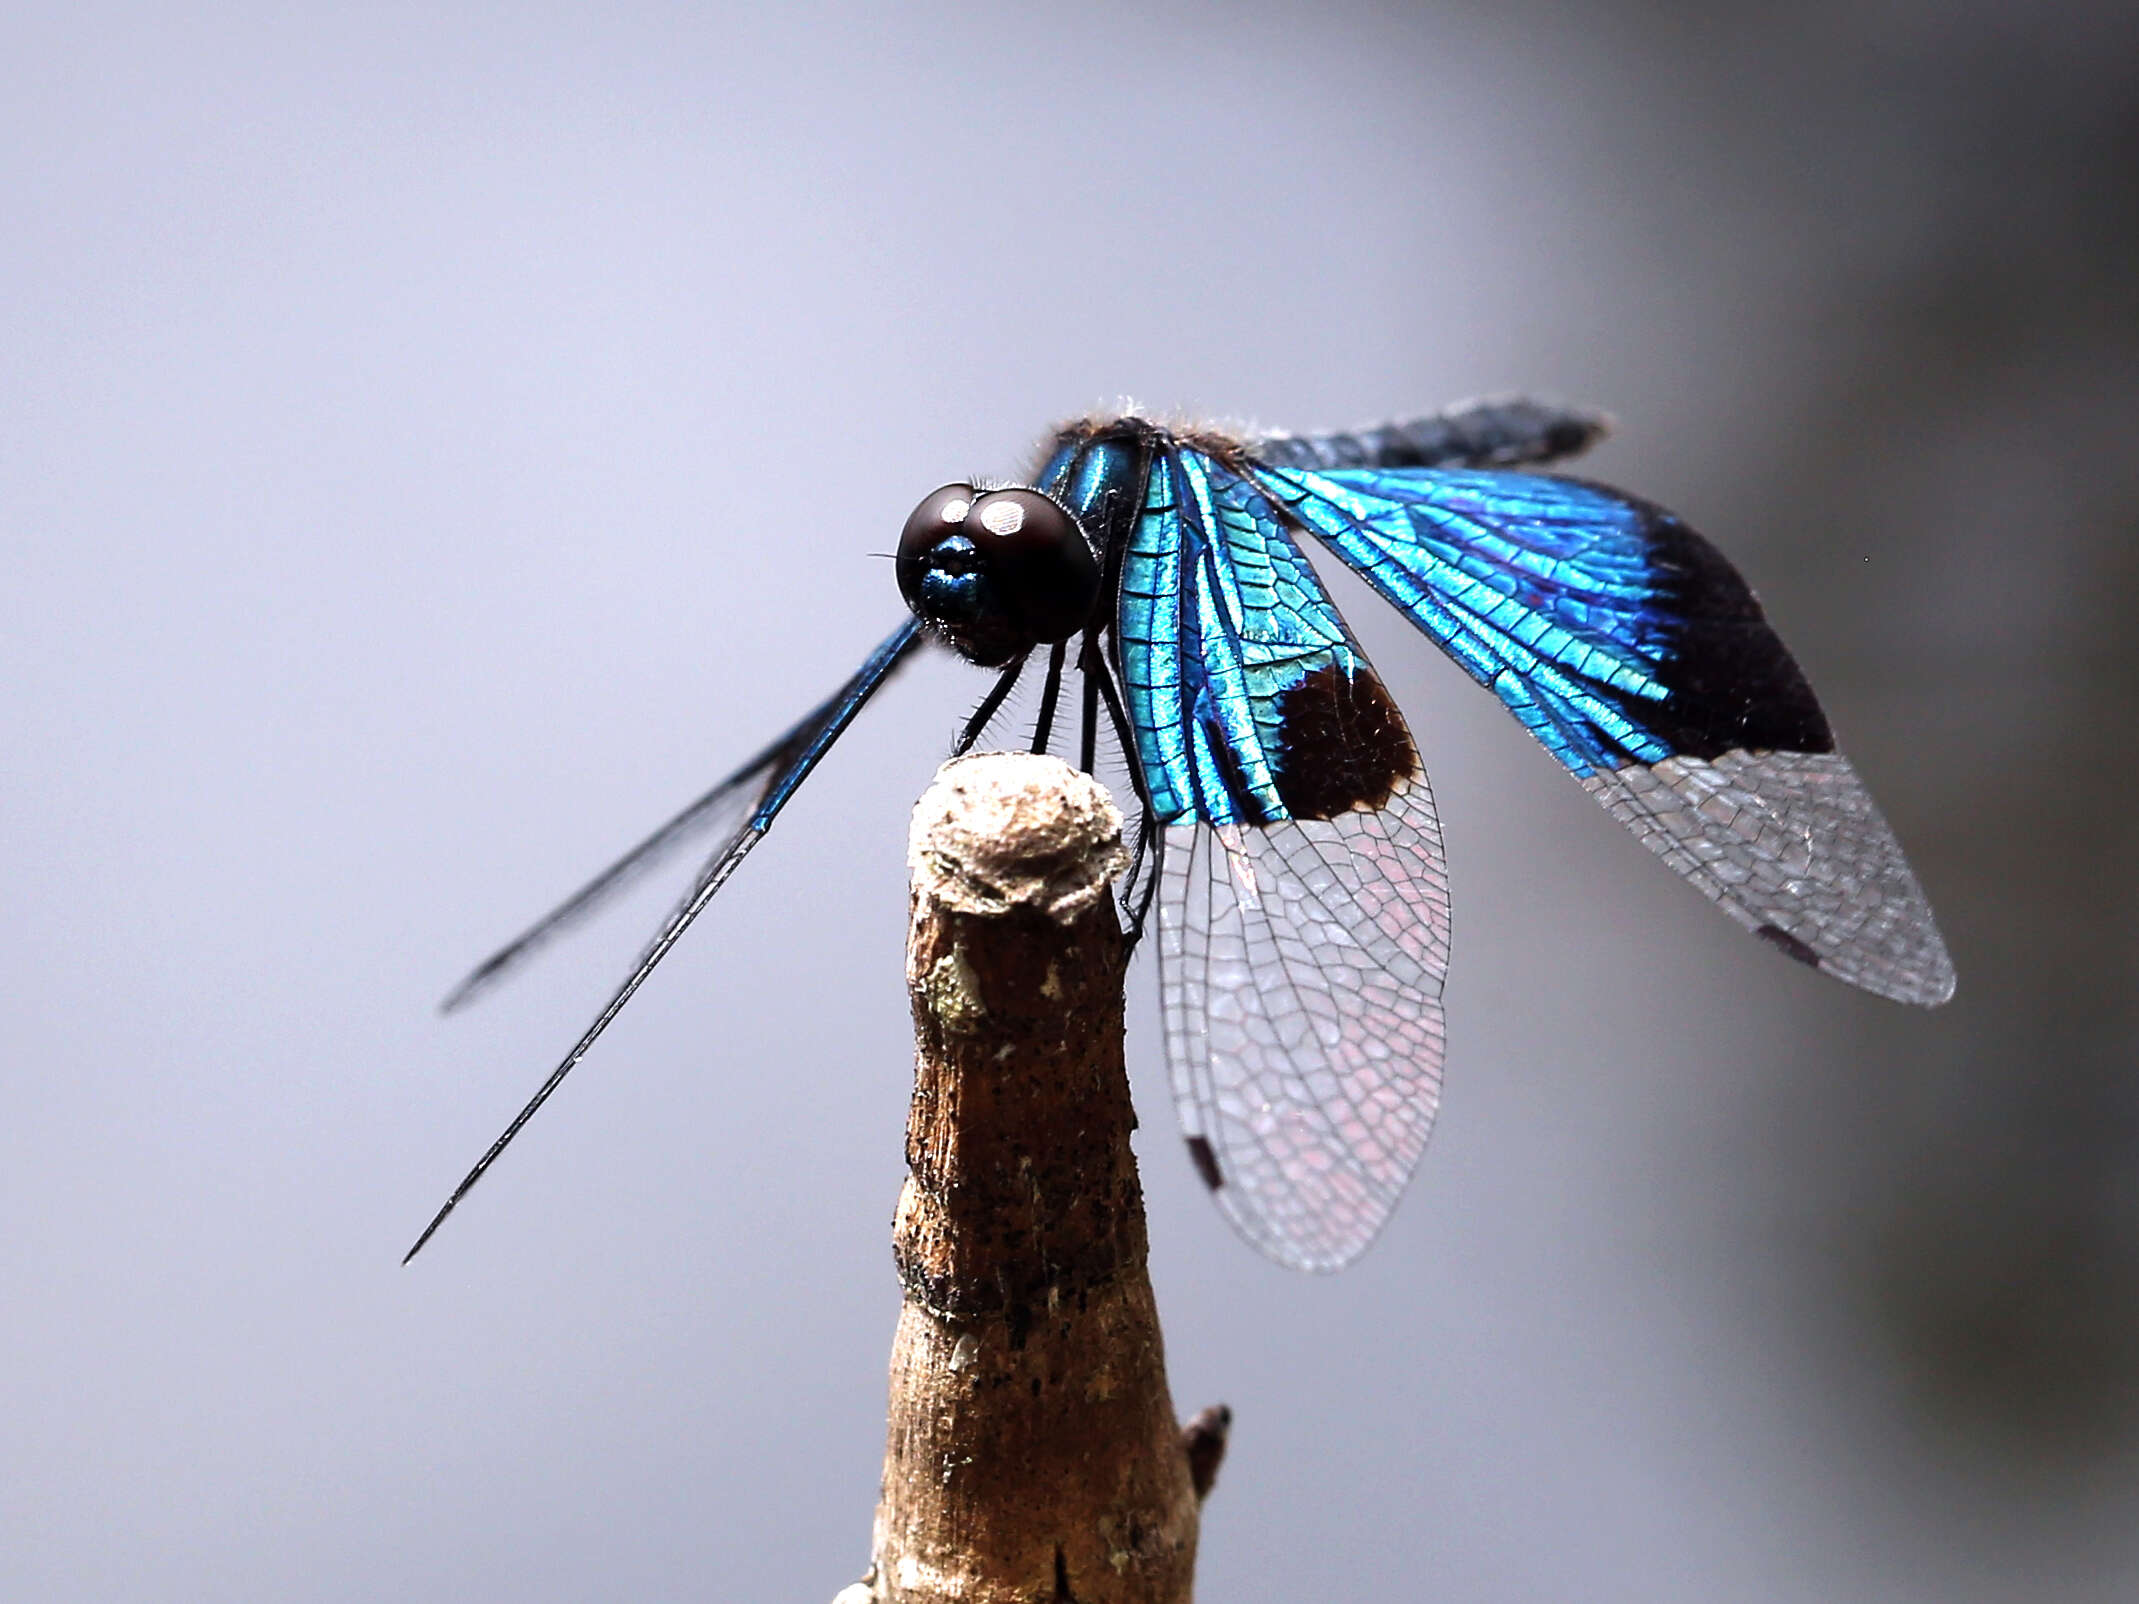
<point>1637,656</point>
<point>1301,971</point>
<point>1791,846</point>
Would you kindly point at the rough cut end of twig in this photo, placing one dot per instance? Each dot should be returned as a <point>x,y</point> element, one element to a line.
<point>1007,830</point>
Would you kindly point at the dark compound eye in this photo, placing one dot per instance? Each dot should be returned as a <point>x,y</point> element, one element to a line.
<point>941,513</point>
<point>1040,559</point>
<point>997,572</point>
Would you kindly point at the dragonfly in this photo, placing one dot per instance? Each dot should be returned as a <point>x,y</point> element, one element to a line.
<point>1287,832</point>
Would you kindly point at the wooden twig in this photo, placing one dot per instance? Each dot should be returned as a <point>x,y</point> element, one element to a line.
<point>1033,1453</point>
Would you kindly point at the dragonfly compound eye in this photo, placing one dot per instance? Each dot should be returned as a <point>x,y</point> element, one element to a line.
<point>996,572</point>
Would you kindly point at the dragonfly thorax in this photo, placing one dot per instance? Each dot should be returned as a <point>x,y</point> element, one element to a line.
<point>997,572</point>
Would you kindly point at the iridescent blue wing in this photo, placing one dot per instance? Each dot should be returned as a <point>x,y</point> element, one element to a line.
<point>1638,657</point>
<point>1303,913</point>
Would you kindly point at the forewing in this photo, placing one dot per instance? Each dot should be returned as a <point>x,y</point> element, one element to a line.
<point>1636,655</point>
<point>1301,970</point>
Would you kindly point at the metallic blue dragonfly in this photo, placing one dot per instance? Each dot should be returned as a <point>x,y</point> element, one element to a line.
<point>1287,831</point>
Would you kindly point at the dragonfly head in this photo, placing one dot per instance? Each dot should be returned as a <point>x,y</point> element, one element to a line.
<point>997,572</point>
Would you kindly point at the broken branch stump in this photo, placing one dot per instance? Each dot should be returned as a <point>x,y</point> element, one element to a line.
<point>1032,1451</point>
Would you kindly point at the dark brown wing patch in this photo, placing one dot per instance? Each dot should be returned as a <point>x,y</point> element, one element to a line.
<point>1790,946</point>
<point>1206,1162</point>
<point>1342,744</point>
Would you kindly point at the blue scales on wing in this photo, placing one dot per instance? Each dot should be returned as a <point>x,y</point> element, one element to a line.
<point>1303,909</point>
<point>1639,658</point>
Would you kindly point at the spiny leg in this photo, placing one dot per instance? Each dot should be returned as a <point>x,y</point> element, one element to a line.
<point>1148,835</point>
<point>1098,676</point>
<point>1049,695</point>
<point>1088,750</point>
<point>988,705</point>
<point>1099,682</point>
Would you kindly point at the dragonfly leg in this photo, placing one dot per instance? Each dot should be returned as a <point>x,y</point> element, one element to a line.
<point>1049,695</point>
<point>1143,858</point>
<point>1088,751</point>
<point>988,705</point>
<point>1148,836</point>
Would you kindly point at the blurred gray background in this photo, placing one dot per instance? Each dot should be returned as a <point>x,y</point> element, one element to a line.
<point>437,440</point>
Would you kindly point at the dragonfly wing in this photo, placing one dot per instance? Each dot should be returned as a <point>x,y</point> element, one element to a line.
<point>1303,896</point>
<point>1300,971</point>
<point>803,747</point>
<point>738,797</point>
<point>1792,847</point>
<point>1636,655</point>
<point>1480,434</point>
<point>719,811</point>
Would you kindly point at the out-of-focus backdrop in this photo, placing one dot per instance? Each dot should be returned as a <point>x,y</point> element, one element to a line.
<point>435,440</point>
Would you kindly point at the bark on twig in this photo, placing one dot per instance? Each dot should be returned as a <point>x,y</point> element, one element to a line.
<point>1033,1454</point>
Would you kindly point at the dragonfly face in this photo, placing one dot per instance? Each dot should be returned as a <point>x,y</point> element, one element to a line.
<point>995,573</point>
<point>1289,837</point>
